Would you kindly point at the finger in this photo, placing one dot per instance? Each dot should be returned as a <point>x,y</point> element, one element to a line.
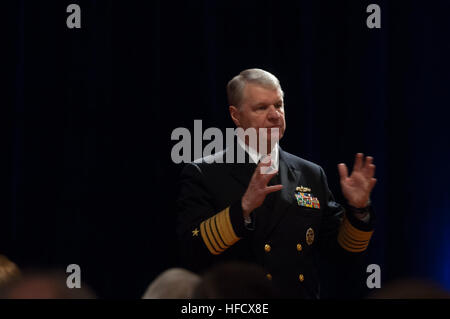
<point>343,172</point>
<point>366,168</point>
<point>369,160</point>
<point>373,181</point>
<point>267,177</point>
<point>266,159</point>
<point>266,162</point>
<point>273,188</point>
<point>371,171</point>
<point>261,164</point>
<point>358,162</point>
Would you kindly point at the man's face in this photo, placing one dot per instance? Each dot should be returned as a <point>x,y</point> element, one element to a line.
<point>260,108</point>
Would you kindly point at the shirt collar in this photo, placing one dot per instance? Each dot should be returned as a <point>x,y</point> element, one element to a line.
<point>255,156</point>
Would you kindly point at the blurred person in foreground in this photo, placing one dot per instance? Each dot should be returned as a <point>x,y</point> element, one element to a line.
<point>9,272</point>
<point>235,280</point>
<point>410,288</point>
<point>174,283</point>
<point>44,284</point>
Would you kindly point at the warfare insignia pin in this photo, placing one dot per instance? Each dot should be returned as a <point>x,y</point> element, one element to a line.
<point>310,236</point>
<point>303,189</point>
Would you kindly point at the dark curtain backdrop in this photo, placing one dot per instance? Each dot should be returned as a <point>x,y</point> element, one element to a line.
<point>88,176</point>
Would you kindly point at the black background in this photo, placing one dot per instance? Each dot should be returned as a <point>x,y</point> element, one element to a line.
<point>88,176</point>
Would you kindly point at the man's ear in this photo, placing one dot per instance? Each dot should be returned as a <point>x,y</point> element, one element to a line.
<point>234,113</point>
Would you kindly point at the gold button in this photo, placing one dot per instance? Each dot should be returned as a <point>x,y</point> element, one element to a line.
<point>301,277</point>
<point>267,248</point>
<point>269,276</point>
<point>299,247</point>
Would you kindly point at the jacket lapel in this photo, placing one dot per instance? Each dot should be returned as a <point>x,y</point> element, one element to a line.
<point>285,198</point>
<point>241,171</point>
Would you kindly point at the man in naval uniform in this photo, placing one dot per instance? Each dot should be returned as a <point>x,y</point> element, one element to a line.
<point>283,219</point>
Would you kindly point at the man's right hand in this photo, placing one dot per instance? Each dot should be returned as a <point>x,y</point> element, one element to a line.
<point>257,189</point>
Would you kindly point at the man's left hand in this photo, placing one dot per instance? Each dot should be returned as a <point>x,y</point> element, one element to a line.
<point>356,188</point>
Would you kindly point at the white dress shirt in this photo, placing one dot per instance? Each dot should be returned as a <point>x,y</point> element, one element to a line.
<point>256,157</point>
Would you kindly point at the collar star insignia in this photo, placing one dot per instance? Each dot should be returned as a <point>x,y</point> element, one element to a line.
<point>195,232</point>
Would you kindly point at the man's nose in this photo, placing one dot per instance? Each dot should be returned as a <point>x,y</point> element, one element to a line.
<point>274,114</point>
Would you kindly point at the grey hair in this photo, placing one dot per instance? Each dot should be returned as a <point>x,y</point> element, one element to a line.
<point>174,283</point>
<point>235,88</point>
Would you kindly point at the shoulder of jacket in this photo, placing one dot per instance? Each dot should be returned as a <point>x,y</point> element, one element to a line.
<point>211,159</point>
<point>300,163</point>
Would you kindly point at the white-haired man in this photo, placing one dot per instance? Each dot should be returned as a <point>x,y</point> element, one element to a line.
<point>282,220</point>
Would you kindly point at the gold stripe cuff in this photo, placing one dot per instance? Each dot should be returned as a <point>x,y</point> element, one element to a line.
<point>353,239</point>
<point>217,237</point>
<point>206,239</point>
<point>225,235</point>
<point>344,242</point>
<point>225,228</point>
<point>217,232</point>
<point>211,237</point>
<point>353,242</point>
<point>355,233</point>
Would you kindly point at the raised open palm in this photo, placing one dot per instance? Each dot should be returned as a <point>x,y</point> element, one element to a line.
<point>357,187</point>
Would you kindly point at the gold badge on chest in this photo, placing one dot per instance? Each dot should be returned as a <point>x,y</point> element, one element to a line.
<point>310,236</point>
<point>303,189</point>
